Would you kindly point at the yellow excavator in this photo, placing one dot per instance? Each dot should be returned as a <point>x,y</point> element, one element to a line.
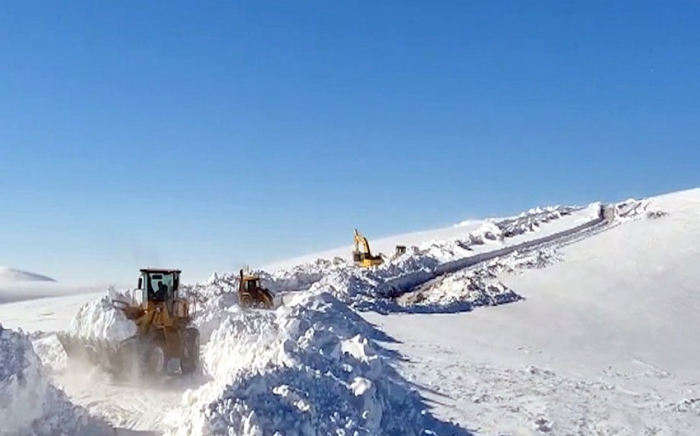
<point>362,255</point>
<point>164,331</point>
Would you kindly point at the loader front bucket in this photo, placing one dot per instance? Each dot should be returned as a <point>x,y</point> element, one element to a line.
<point>114,357</point>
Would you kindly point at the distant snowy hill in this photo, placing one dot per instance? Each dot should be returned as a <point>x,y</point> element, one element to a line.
<point>10,275</point>
<point>17,285</point>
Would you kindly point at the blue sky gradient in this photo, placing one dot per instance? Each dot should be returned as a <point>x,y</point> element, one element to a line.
<point>206,135</point>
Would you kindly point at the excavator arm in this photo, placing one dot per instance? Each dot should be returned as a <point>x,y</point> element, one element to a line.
<point>361,241</point>
<point>363,255</point>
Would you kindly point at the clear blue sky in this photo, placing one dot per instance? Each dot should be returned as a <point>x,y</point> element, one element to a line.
<point>204,135</point>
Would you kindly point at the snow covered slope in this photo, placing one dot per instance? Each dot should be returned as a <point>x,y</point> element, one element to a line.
<point>603,342</point>
<point>12,292</point>
<point>380,245</point>
<point>584,335</point>
<point>387,245</point>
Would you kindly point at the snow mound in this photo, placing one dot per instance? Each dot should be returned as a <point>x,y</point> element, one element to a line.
<point>10,275</point>
<point>301,277</point>
<point>465,290</point>
<point>49,349</point>
<point>29,404</point>
<point>634,209</point>
<point>453,295</point>
<point>100,320</point>
<point>310,368</point>
<point>297,278</point>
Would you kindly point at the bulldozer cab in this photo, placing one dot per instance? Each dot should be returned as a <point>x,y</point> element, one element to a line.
<point>251,283</point>
<point>159,285</point>
<point>252,294</point>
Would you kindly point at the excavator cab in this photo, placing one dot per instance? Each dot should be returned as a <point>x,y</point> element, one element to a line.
<point>362,255</point>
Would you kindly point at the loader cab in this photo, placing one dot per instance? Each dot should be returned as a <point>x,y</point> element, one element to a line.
<point>159,285</point>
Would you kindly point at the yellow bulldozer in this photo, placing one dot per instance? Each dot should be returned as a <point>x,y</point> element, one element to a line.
<point>362,255</point>
<point>164,331</point>
<point>252,294</point>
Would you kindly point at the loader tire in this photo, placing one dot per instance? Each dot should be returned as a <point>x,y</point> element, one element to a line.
<point>245,301</point>
<point>266,302</point>
<point>156,359</point>
<point>190,351</point>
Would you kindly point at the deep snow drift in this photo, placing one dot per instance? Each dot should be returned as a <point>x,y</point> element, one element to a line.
<point>311,368</point>
<point>368,289</point>
<point>29,403</point>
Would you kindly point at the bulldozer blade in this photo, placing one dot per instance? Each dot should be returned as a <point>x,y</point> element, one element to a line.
<point>277,301</point>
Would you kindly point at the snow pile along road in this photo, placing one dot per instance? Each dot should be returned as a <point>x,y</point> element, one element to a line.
<point>369,289</point>
<point>474,287</point>
<point>29,403</point>
<point>374,289</point>
<point>464,289</point>
<point>312,367</point>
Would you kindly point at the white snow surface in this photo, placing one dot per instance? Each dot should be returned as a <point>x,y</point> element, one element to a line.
<point>30,405</point>
<point>591,344</point>
<point>100,320</point>
<point>12,292</point>
<point>601,343</point>
<point>314,366</point>
<point>310,368</point>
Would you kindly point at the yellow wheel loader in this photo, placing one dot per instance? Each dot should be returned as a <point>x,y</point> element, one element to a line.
<point>252,294</point>
<point>164,331</point>
<point>362,255</point>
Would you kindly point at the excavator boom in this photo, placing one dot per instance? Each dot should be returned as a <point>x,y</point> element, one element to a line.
<point>362,255</point>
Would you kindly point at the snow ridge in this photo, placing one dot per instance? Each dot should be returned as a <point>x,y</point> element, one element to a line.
<point>29,404</point>
<point>311,368</point>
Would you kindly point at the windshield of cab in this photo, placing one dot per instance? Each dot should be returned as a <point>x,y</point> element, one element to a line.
<point>160,285</point>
